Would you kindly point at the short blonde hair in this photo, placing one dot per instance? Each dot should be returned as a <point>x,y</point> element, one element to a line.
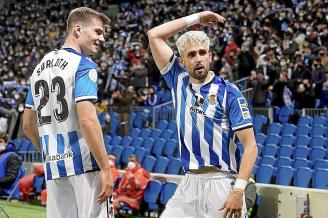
<point>192,37</point>
<point>84,15</point>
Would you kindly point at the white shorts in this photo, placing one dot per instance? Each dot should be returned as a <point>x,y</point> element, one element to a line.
<point>201,196</point>
<point>75,197</point>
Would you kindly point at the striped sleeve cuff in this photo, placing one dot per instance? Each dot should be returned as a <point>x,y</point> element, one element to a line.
<point>30,107</point>
<point>244,126</point>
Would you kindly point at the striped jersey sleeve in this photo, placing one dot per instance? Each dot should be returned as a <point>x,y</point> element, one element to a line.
<point>172,71</point>
<point>238,111</point>
<point>29,103</point>
<point>86,81</point>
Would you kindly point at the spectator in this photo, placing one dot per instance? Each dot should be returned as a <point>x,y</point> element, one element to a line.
<point>152,98</point>
<point>260,89</point>
<point>324,58</point>
<point>318,78</point>
<point>106,126</point>
<point>10,163</point>
<point>279,88</point>
<point>131,189</point>
<point>113,169</point>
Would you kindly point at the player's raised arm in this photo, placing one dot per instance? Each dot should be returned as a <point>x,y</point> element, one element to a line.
<point>158,35</point>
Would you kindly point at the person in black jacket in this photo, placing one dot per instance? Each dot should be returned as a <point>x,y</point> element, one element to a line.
<point>10,163</point>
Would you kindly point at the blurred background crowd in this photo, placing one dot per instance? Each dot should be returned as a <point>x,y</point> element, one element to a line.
<point>279,47</point>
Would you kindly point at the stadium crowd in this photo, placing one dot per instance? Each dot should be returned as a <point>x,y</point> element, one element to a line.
<point>281,46</point>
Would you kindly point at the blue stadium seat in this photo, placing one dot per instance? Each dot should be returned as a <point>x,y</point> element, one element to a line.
<point>116,140</point>
<point>148,145</point>
<point>305,121</point>
<point>135,132</point>
<point>158,147</point>
<point>320,163</point>
<point>258,122</point>
<point>133,116</point>
<point>268,160</point>
<point>172,126</point>
<point>260,138</point>
<point>288,129</point>
<point>126,141</point>
<point>151,194</point>
<point>174,166</point>
<point>139,120</point>
<point>301,162</point>
<point>140,154</point>
<point>162,124</point>
<point>318,141</point>
<point>167,134</point>
<point>302,141</point>
<point>167,192</point>
<point>137,142</point>
<point>107,139</point>
<point>270,150</point>
<point>145,132</point>
<point>161,165</point>
<point>38,184</point>
<point>148,163</point>
<point>319,121</point>
<point>275,128</point>
<point>272,139</point>
<point>127,151</point>
<point>303,131</point>
<point>320,179</point>
<point>318,131</point>
<point>155,133</point>
<point>302,177</point>
<point>317,153</point>
<point>264,174</point>
<point>117,152</point>
<point>284,175</point>
<point>285,151</point>
<point>301,152</point>
<point>170,147</point>
<point>287,140</point>
<point>108,149</point>
<point>284,114</point>
<point>284,161</point>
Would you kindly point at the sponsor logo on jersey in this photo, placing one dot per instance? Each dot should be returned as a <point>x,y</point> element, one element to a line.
<point>58,157</point>
<point>243,107</point>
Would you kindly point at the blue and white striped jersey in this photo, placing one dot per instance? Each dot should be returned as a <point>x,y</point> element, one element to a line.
<point>207,116</point>
<point>62,78</point>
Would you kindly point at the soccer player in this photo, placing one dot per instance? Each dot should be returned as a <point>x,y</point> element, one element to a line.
<point>210,112</point>
<point>60,119</point>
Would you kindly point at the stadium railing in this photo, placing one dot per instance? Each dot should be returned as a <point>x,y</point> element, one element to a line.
<point>313,112</point>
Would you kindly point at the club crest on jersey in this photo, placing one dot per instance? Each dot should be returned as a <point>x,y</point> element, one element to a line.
<point>211,99</point>
<point>93,75</point>
<point>243,107</point>
<point>197,107</point>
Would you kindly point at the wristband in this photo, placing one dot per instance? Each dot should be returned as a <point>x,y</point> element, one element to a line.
<point>240,184</point>
<point>192,19</point>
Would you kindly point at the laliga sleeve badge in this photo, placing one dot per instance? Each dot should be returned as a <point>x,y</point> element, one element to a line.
<point>93,75</point>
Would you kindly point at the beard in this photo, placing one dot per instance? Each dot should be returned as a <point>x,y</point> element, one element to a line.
<point>200,76</point>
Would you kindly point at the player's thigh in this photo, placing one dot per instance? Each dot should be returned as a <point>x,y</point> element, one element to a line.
<point>218,191</point>
<point>87,187</point>
<point>183,203</point>
<point>61,199</point>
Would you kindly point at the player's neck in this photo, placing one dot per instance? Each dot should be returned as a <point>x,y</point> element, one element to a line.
<point>71,44</point>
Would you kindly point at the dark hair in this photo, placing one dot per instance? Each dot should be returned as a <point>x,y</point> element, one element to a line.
<point>4,136</point>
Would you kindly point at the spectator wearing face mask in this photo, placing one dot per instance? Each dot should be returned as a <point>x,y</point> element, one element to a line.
<point>131,189</point>
<point>10,163</point>
<point>113,169</point>
<point>318,78</point>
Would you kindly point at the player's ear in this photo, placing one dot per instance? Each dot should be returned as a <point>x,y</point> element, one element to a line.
<point>210,54</point>
<point>77,30</point>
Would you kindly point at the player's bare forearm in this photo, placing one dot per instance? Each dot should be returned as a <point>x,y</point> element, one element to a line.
<point>158,35</point>
<point>30,127</point>
<point>246,137</point>
<point>91,130</point>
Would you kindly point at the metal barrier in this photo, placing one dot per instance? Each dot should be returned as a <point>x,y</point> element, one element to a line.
<point>242,83</point>
<point>30,156</point>
<point>268,112</point>
<point>313,112</point>
<point>248,93</point>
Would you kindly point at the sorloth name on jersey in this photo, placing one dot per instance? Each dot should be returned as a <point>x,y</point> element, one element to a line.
<point>59,62</point>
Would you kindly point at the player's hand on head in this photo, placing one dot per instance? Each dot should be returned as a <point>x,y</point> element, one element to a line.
<point>106,186</point>
<point>232,207</point>
<point>208,18</point>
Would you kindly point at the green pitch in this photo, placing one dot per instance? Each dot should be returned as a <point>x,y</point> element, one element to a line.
<point>22,210</point>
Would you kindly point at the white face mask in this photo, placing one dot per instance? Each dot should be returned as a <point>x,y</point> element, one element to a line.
<point>2,147</point>
<point>111,163</point>
<point>131,165</point>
